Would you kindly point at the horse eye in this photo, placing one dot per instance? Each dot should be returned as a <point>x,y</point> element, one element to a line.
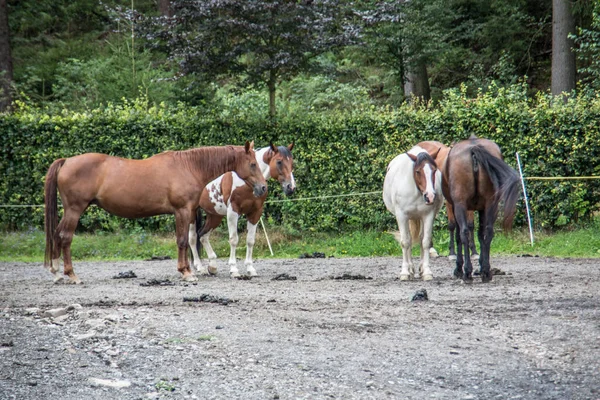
<point>253,165</point>
<point>279,162</point>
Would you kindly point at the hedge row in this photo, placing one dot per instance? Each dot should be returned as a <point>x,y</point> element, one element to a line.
<point>335,153</point>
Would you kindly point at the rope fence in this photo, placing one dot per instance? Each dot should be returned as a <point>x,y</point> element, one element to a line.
<point>354,194</point>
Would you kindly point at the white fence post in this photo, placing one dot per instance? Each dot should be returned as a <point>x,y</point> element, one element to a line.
<point>526,201</point>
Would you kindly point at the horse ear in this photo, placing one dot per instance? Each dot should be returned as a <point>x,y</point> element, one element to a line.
<point>273,148</point>
<point>291,146</point>
<point>412,157</point>
<point>249,146</point>
<point>434,155</point>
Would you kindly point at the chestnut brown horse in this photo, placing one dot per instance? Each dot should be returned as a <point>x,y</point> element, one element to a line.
<point>167,183</point>
<point>477,179</point>
<point>230,196</point>
<point>433,147</point>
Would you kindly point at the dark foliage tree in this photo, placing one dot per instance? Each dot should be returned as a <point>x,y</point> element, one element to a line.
<point>265,41</point>
<point>563,57</point>
<point>6,67</point>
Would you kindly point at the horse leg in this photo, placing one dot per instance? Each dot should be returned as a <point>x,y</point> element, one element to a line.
<point>232,222</point>
<point>212,221</point>
<point>192,240</point>
<point>451,228</point>
<point>471,224</point>
<point>463,235</point>
<point>405,241</point>
<point>183,219</point>
<point>253,219</point>
<point>426,246</point>
<point>486,234</point>
<point>64,234</point>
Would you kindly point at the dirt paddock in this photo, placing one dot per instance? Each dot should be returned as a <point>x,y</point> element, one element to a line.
<point>533,333</point>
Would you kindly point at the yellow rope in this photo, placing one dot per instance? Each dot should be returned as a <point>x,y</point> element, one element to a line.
<point>558,178</point>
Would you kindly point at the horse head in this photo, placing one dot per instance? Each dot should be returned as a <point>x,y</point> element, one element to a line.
<point>248,170</point>
<point>424,173</point>
<point>281,167</point>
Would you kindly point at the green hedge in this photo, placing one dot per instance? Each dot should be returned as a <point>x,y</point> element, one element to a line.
<point>335,153</point>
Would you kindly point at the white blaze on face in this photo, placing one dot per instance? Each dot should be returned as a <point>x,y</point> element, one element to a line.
<point>429,187</point>
<point>293,182</point>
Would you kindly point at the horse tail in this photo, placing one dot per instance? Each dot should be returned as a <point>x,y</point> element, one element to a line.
<point>51,209</point>
<point>416,231</point>
<point>505,180</point>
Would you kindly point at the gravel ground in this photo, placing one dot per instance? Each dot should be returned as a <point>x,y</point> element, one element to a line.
<point>533,333</point>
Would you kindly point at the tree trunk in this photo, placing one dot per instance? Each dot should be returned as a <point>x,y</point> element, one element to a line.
<point>272,86</point>
<point>164,7</point>
<point>417,83</point>
<point>563,58</point>
<point>6,68</point>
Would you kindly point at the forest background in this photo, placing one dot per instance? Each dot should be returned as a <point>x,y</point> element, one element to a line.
<point>351,83</point>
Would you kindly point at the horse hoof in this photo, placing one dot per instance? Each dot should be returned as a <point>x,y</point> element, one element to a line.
<point>202,271</point>
<point>467,281</point>
<point>190,278</point>
<point>404,277</point>
<point>433,253</point>
<point>427,277</point>
<point>251,272</point>
<point>485,278</point>
<point>451,258</point>
<point>235,274</point>
<point>212,270</point>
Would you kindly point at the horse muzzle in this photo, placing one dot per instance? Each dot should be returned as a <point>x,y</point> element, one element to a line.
<point>429,198</point>
<point>259,189</point>
<point>288,188</point>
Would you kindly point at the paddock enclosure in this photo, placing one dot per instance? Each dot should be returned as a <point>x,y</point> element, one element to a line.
<point>532,333</point>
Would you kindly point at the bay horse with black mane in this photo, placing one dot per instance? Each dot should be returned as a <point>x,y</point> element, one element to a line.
<point>477,179</point>
<point>166,183</point>
<point>231,196</point>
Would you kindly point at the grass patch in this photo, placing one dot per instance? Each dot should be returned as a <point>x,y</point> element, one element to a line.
<point>29,246</point>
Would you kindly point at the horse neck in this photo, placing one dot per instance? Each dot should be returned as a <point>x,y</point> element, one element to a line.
<point>265,166</point>
<point>208,163</point>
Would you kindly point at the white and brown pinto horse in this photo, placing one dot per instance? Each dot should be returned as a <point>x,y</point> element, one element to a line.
<point>230,195</point>
<point>412,191</point>
<point>167,183</point>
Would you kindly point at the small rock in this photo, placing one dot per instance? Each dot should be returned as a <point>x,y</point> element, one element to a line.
<point>95,323</point>
<point>60,319</point>
<point>32,311</point>
<point>112,318</point>
<point>74,306</point>
<point>109,383</point>
<point>420,295</point>
<point>55,312</point>
<point>219,327</point>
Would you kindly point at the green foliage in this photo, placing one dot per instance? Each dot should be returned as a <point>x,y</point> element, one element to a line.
<point>588,50</point>
<point>336,152</point>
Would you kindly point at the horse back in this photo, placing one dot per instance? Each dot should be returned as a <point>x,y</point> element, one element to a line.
<point>127,188</point>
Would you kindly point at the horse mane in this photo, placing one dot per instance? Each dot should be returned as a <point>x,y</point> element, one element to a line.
<point>212,160</point>
<point>284,151</point>
<point>424,156</point>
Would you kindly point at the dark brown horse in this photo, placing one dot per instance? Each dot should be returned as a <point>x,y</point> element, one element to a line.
<point>230,196</point>
<point>167,183</point>
<point>477,179</point>
<point>435,147</point>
